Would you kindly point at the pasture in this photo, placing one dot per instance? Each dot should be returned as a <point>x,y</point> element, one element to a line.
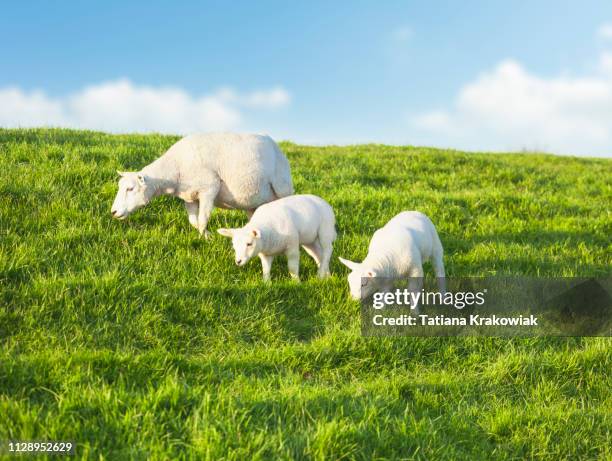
<point>141,340</point>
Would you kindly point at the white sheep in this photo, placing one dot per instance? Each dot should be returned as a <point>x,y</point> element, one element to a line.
<point>398,249</point>
<point>226,170</point>
<point>281,227</point>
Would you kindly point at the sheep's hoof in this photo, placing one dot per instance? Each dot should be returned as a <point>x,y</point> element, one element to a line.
<point>205,233</point>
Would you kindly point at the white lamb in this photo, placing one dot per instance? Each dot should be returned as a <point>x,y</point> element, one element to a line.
<point>398,249</point>
<point>281,227</point>
<point>226,170</point>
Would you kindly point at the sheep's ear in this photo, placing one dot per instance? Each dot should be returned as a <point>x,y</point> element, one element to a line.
<point>121,173</point>
<point>226,232</point>
<point>142,179</point>
<point>350,264</point>
<point>256,233</point>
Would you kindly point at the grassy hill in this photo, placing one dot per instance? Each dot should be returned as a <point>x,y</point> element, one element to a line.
<point>139,339</point>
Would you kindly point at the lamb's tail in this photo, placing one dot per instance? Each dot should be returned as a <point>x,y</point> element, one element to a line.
<point>281,182</point>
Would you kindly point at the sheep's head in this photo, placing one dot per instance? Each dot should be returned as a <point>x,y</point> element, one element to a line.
<point>134,192</point>
<point>362,279</point>
<point>246,243</point>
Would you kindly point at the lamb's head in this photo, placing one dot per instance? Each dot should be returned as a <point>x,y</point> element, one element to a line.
<point>246,242</point>
<point>362,279</point>
<point>135,191</point>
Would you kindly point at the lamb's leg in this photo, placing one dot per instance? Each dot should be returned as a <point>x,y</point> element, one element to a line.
<point>326,252</point>
<point>438,266</point>
<point>206,205</point>
<point>321,254</point>
<point>327,235</point>
<point>293,261</point>
<point>415,282</point>
<point>314,250</point>
<point>192,212</point>
<point>266,265</point>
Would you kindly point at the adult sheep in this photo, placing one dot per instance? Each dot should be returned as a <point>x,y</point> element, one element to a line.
<point>227,170</point>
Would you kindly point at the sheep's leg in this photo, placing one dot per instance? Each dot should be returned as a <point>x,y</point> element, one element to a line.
<point>438,266</point>
<point>326,252</point>
<point>206,205</point>
<point>266,265</point>
<point>293,261</point>
<point>415,283</point>
<point>327,235</point>
<point>192,212</point>
<point>314,250</point>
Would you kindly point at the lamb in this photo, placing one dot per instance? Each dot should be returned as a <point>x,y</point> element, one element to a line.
<point>281,227</point>
<point>227,170</point>
<point>398,249</point>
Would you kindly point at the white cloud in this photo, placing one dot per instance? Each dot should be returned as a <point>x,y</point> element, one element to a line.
<point>605,31</point>
<point>509,108</point>
<point>121,106</point>
<point>271,99</point>
<point>605,63</point>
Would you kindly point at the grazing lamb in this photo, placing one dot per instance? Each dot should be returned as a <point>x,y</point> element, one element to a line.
<point>281,227</point>
<point>226,170</point>
<point>398,249</point>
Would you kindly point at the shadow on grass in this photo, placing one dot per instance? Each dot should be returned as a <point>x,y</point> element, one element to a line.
<point>291,309</point>
<point>373,424</point>
<point>538,237</point>
<point>113,313</point>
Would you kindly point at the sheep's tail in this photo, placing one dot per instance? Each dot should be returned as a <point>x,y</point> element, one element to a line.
<point>281,182</point>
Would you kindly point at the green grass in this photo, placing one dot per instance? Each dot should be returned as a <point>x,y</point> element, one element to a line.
<point>139,339</point>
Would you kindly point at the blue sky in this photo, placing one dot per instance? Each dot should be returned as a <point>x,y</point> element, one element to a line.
<point>474,75</point>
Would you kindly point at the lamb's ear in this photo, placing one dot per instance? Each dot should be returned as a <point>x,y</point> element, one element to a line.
<point>350,264</point>
<point>142,179</point>
<point>256,233</point>
<point>121,173</point>
<point>226,232</point>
